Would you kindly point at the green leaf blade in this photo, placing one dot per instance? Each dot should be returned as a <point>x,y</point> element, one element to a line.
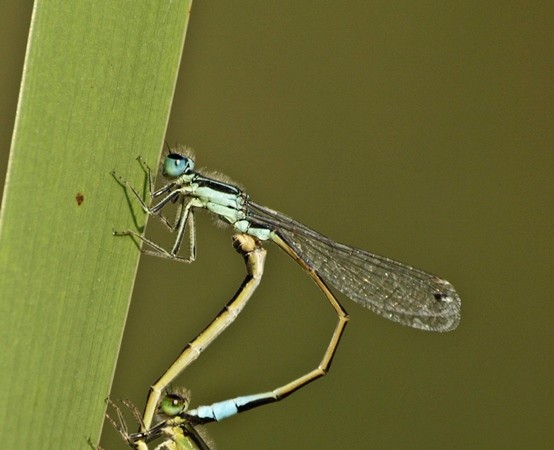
<point>96,92</point>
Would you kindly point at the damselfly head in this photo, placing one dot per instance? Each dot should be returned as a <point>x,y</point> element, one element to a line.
<point>176,165</point>
<point>174,402</point>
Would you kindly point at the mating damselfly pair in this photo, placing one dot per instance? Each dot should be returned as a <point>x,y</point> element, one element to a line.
<point>391,289</point>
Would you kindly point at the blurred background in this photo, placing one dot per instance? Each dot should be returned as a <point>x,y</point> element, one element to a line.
<point>418,130</point>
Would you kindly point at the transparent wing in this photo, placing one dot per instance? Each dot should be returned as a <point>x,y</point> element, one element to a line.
<point>391,289</point>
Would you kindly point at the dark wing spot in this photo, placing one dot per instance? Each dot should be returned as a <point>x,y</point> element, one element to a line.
<point>440,296</point>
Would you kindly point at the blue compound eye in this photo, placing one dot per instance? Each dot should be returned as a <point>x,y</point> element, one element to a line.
<point>176,165</point>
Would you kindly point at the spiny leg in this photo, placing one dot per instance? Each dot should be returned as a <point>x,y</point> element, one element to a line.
<point>254,257</point>
<point>155,194</point>
<point>183,217</point>
<point>148,172</point>
<point>187,217</point>
<point>155,209</point>
<point>171,196</point>
<point>120,425</point>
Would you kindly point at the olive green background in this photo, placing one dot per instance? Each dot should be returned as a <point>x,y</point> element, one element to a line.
<point>419,130</point>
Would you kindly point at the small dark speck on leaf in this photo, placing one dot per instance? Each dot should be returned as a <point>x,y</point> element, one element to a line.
<point>80,198</point>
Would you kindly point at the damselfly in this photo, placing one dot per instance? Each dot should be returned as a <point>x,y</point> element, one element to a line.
<point>391,289</point>
<point>177,428</point>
